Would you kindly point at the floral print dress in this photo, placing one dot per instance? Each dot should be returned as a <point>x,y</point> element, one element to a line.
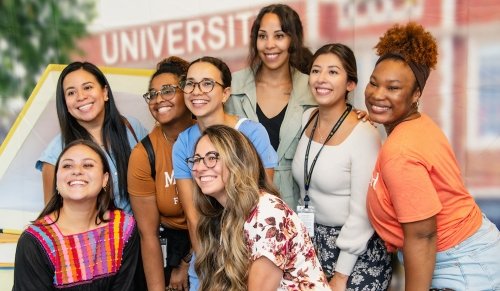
<point>274,231</point>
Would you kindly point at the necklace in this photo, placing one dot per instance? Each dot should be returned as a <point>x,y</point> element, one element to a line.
<point>321,138</point>
<point>168,139</point>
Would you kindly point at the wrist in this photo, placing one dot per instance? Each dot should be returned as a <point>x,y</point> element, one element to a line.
<point>187,258</point>
<point>339,277</point>
<point>184,264</point>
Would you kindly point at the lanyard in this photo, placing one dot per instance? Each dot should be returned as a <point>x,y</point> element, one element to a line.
<point>308,174</point>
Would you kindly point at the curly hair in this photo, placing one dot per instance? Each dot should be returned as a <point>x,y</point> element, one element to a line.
<point>223,260</point>
<point>412,44</point>
<point>410,41</point>
<point>171,65</point>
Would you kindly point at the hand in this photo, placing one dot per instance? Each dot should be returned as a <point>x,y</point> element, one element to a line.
<point>364,116</point>
<point>179,278</point>
<point>338,282</point>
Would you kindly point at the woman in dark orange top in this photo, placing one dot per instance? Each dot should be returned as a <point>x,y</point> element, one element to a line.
<point>417,201</point>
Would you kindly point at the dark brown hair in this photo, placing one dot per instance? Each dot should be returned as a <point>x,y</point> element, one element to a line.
<point>300,56</point>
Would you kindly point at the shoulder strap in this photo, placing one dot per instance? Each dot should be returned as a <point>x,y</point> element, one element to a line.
<point>129,126</point>
<point>308,122</point>
<point>146,142</point>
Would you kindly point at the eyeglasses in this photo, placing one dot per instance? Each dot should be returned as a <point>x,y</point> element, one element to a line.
<point>167,92</point>
<point>205,85</point>
<point>210,160</point>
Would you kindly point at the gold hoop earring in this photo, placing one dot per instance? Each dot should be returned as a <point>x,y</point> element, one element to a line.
<point>417,104</point>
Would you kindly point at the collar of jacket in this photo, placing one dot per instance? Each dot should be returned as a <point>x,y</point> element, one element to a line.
<point>301,98</point>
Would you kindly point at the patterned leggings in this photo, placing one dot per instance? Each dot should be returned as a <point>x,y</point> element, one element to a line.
<point>372,271</point>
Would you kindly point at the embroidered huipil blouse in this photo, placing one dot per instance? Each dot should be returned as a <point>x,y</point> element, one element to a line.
<point>104,258</point>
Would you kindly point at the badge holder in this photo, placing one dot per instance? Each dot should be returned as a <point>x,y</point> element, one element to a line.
<point>306,214</point>
<point>163,245</point>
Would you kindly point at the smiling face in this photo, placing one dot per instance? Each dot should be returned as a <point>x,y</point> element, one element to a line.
<point>167,111</point>
<point>204,105</point>
<point>272,42</point>
<point>212,181</point>
<point>84,97</point>
<point>328,80</point>
<point>391,93</point>
<point>80,174</point>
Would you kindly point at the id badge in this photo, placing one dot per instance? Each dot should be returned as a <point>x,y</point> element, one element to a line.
<point>307,217</point>
<point>163,245</point>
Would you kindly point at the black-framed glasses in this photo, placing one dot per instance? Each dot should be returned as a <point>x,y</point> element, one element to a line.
<point>167,92</point>
<point>205,85</point>
<point>210,160</point>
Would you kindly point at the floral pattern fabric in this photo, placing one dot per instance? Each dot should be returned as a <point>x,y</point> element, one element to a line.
<point>274,231</point>
<point>373,269</point>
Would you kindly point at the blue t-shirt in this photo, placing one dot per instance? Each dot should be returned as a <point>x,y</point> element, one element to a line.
<point>184,146</point>
<point>54,149</point>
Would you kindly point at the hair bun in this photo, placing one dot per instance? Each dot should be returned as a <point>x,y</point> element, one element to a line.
<point>173,61</point>
<point>410,41</point>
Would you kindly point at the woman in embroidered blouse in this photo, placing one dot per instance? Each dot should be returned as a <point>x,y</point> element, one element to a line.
<point>249,239</point>
<point>80,241</point>
<point>339,166</point>
<point>86,109</point>
<point>154,200</point>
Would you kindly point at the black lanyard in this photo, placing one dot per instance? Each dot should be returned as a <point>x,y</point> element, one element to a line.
<point>308,174</point>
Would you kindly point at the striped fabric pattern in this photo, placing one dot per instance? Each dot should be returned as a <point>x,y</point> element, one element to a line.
<point>83,257</point>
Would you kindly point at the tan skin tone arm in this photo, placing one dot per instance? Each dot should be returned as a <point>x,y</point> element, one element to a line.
<point>264,275</point>
<point>148,221</point>
<point>48,175</point>
<point>185,188</point>
<point>270,175</point>
<point>338,281</point>
<point>419,251</point>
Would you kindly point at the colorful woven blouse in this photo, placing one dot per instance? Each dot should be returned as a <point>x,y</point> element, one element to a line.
<point>77,259</point>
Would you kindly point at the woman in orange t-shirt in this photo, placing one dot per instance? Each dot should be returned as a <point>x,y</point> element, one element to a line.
<point>417,201</point>
<point>154,200</point>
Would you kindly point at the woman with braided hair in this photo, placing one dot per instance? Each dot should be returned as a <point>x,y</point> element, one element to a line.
<point>417,201</point>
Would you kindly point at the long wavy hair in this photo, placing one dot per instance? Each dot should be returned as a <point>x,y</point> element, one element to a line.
<point>300,56</point>
<point>113,132</point>
<point>223,260</point>
<point>104,198</point>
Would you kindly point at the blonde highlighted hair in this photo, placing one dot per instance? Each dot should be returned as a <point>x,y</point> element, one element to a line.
<point>223,260</point>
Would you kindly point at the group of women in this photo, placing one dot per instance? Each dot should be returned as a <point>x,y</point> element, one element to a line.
<point>232,156</point>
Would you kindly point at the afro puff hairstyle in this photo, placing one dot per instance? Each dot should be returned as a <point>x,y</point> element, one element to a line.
<point>412,42</point>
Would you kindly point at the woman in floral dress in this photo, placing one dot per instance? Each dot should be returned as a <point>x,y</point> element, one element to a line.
<point>249,239</point>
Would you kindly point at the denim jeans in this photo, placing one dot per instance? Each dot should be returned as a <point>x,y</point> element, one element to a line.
<point>473,264</point>
<point>193,278</point>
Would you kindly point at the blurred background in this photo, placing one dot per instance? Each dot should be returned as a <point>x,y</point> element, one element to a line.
<point>462,95</point>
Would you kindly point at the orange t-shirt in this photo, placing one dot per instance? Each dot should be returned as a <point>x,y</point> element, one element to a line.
<point>140,182</point>
<point>416,177</point>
